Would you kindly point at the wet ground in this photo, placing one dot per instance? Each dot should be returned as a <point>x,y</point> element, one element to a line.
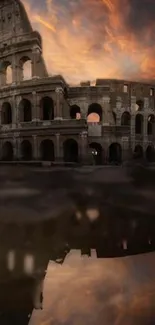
<point>45,213</point>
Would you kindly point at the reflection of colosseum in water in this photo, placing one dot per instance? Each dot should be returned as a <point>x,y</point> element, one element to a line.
<point>43,118</point>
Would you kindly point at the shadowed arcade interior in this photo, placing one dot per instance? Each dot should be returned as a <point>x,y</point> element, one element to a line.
<point>47,150</point>
<point>70,151</point>
<point>25,110</point>
<point>97,153</point>
<point>47,108</point>
<point>26,150</point>
<point>75,112</point>
<point>115,153</point>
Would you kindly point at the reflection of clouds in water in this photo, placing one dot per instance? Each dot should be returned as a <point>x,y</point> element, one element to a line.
<point>89,290</point>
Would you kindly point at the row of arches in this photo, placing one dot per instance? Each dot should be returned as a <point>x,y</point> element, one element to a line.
<point>25,110</point>
<point>47,113</point>
<point>95,114</point>
<point>47,151</point>
<point>71,152</point>
<point>24,66</point>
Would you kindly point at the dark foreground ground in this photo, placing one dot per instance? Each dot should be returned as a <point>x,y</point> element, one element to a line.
<point>46,213</point>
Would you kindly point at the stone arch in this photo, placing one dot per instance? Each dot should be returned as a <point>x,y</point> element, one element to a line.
<point>139,105</point>
<point>7,151</point>
<point>47,108</point>
<point>26,68</point>
<point>26,150</point>
<point>94,113</point>
<point>6,113</point>
<point>126,119</point>
<point>150,124</point>
<point>115,153</point>
<point>25,110</point>
<point>138,152</point>
<point>97,153</point>
<point>7,72</point>
<point>75,112</point>
<point>70,150</point>
<point>150,153</point>
<point>139,124</point>
<point>47,150</point>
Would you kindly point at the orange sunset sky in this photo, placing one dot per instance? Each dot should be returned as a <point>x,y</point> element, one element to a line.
<point>89,39</point>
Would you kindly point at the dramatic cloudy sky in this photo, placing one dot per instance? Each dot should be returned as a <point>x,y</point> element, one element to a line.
<point>85,39</point>
<point>93,291</point>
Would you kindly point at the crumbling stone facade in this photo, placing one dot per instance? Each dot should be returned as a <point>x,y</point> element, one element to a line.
<point>43,118</point>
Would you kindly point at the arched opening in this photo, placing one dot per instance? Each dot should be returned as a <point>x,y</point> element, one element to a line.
<point>150,154</point>
<point>26,150</point>
<point>26,68</point>
<point>75,112</point>
<point>25,110</point>
<point>97,153</point>
<point>150,124</point>
<point>125,119</point>
<point>6,113</point>
<point>7,151</point>
<point>6,69</point>
<point>115,153</point>
<point>70,149</point>
<point>47,150</point>
<point>94,113</point>
<point>138,152</point>
<point>139,124</point>
<point>139,105</point>
<point>47,108</point>
<point>9,74</point>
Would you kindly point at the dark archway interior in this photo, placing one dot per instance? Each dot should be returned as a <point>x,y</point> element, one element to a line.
<point>95,108</point>
<point>6,113</point>
<point>125,119</point>
<point>75,112</point>
<point>114,117</point>
<point>115,153</point>
<point>97,153</point>
<point>70,149</point>
<point>25,110</point>
<point>139,124</point>
<point>7,151</point>
<point>26,150</point>
<point>138,152</point>
<point>150,125</point>
<point>150,154</point>
<point>140,105</point>
<point>47,150</point>
<point>47,109</point>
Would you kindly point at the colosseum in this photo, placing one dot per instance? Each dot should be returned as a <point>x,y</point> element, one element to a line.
<point>42,118</point>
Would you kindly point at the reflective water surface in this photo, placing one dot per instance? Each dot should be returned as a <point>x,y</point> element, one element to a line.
<point>96,226</point>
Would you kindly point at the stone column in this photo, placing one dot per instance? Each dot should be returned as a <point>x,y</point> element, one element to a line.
<point>84,152</point>
<point>126,149</point>
<point>17,142</point>
<point>145,122</point>
<point>34,107</point>
<point>2,77</point>
<point>58,151</point>
<point>35,148</point>
<point>118,110</point>
<point>35,58</point>
<point>59,102</point>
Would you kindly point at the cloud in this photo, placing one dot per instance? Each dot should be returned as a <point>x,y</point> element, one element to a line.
<point>96,38</point>
<point>89,291</point>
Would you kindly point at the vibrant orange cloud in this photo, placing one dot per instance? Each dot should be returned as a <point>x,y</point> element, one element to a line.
<point>84,40</point>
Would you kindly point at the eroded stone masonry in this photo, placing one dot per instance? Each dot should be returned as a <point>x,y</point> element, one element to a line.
<point>42,118</point>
